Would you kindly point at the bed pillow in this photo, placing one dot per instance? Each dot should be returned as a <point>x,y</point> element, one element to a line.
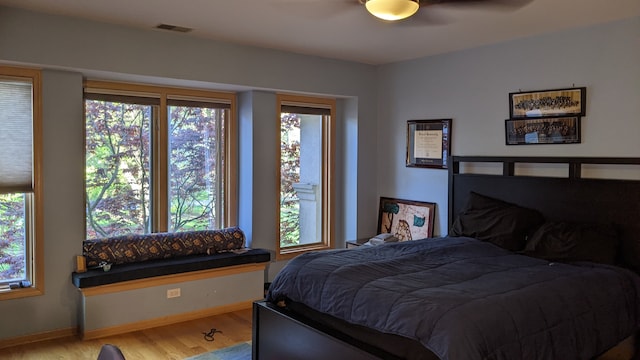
<point>566,241</point>
<point>498,222</point>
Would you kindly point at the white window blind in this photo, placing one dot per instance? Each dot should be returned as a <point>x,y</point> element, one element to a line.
<point>16,129</point>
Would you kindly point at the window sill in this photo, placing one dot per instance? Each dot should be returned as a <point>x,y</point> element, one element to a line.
<point>20,293</point>
<point>290,253</point>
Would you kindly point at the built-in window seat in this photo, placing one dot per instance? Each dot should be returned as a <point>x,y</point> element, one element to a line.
<point>158,279</point>
<point>171,266</point>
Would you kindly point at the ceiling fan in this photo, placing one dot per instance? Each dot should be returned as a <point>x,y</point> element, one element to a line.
<point>393,10</point>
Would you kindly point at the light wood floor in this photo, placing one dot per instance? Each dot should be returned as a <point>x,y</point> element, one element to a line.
<point>177,341</point>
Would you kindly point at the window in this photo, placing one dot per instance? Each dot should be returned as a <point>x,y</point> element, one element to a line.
<point>306,173</point>
<point>21,272</point>
<point>156,159</point>
<point>196,161</point>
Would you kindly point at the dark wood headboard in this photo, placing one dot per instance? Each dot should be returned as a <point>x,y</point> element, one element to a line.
<point>570,196</point>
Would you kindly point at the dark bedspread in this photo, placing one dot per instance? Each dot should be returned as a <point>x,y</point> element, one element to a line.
<point>466,299</point>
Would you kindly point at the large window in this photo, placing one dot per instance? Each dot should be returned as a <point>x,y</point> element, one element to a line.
<point>306,173</point>
<point>20,186</point>
<point>157,159</point>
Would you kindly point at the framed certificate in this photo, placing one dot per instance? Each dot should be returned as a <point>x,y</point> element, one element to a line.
<point>428,143</point>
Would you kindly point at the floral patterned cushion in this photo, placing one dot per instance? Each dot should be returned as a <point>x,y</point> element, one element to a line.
<point>136,248</point>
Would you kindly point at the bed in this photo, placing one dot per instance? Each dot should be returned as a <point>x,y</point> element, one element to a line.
<point>540,262</point>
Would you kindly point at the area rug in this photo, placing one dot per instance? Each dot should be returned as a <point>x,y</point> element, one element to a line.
<point>241,351</point>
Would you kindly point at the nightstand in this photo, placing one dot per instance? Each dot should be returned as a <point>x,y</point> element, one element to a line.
<point>352,244</point>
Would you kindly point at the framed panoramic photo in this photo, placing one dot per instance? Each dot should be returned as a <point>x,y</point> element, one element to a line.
<point>428,143</point>
<point>548,103</point>
<point>406,219</point>
<point>557,130</point>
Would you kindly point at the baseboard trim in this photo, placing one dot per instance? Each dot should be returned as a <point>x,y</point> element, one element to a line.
<point>34,338</point>
<point>165,320</point>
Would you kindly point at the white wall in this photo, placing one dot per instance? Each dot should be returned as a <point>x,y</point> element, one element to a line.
<point>70,50</point>
<point>472,87</point>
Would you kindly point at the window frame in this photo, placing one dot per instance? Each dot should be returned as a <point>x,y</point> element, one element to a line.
<point>328,173</point>
<point>33,206</point>
<point>159,147</point>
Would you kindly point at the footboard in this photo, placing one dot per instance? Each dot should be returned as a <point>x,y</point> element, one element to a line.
<point>281,335</point>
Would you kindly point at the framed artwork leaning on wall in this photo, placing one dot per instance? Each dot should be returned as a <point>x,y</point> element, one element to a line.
<point>406,219</point>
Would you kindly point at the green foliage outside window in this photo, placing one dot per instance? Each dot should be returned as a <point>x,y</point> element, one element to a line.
<point>290,173</point>
<point>196,181</point>
<point>12,237</point>
<point>117,170</point>
<point>119,173</point>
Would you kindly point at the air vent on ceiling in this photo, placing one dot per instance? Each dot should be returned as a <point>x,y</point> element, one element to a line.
<point>173,28</point>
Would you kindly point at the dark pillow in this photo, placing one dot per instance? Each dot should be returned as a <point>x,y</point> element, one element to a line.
<point>498,222</point>
<point>565,241</point>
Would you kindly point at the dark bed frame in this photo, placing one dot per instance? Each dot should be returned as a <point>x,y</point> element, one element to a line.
<point>282,334</point>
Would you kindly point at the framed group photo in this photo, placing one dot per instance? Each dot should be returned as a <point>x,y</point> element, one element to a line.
<point>548,103</point>
<point>558,130</point>
<point>406,219</point>
<point>428,143</point>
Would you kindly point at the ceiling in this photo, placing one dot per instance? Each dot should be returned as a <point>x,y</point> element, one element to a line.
<point>342,29</point>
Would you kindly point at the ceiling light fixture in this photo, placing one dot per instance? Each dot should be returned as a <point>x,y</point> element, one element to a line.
<point>392,9</point>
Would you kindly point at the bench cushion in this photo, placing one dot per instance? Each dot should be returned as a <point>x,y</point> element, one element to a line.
<point>137,248</point>
<point>146,269</point>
